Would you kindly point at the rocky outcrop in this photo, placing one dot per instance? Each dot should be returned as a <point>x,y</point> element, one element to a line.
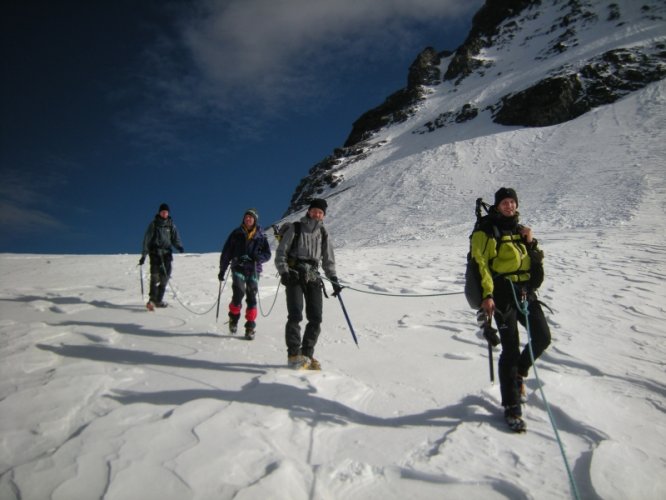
<point>485,25</point>
<point>399,106</point>
<point>568,95</point>
<point>563,93</point>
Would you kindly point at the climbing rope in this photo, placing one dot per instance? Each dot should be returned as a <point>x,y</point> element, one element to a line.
<point>523,308</point>
<point>277,290</point>
<point>388,294</point>
<point>274,299</point>
<point>198,313</point>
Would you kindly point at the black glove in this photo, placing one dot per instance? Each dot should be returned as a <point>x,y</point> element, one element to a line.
<point>180,249</point>
<point>142,260</point>
<point>289,277</point>
<point>336,286</point>
<point>221,274</point>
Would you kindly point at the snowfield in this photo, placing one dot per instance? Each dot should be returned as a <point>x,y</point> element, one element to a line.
<point>101,399</point>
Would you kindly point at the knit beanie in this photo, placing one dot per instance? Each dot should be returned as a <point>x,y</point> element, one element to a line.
<point>505,192</point>
<point>319,203</point>
<point>164,206</point>
<point>253,212</point>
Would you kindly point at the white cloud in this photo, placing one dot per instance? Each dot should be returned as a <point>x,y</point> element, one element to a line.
<point>269,48</point>
<point>20,194</point>
<point>24,220</point>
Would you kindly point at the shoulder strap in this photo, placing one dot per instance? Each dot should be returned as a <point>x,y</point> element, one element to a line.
<point>324,236</point>
<point>297,235</point>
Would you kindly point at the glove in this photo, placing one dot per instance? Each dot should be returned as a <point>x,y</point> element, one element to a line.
<point>142,260</point>
<point>336,286</point>
<point>289,277</point>
<point>221,274</point>
<point>180,249</point>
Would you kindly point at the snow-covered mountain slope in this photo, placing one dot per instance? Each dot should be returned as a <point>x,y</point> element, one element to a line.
<point>419,178</point>
<point>101,399</point>
<point>592,171</point>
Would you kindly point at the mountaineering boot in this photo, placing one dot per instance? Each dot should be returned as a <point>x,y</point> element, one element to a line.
<point>249,329</point>
<point>514,417</point>
<point>314,364</point>
<point>234,316</point>
<point>298,362</point>
<point>233,322</point>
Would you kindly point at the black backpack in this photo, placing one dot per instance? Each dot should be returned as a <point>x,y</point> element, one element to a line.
<point>473,291</point>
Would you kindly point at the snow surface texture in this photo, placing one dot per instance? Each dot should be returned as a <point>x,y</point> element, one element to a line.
<point>101,399</point>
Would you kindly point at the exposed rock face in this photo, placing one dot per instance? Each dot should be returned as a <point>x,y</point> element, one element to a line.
<point>485,24</point>
<point>601,81</point>
<point>399,105</point>
<point>550,29</point>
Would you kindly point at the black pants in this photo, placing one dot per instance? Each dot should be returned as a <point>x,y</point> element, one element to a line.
<point>160,271</point>
<point>297,293</point>
<point>513,361</point>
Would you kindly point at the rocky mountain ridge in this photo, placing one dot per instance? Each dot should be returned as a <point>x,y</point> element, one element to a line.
<point>550,50</point>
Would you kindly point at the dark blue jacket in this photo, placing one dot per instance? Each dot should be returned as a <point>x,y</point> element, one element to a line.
<point>243,254</point>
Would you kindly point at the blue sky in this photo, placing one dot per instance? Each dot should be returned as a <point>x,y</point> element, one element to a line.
<point>110,108</point>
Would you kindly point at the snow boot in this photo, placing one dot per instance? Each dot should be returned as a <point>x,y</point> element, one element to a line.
<point>233,323</point>
<point>514,418</point>
<point>314,364</point>
<point>298,362</point>
<point>249,329</point>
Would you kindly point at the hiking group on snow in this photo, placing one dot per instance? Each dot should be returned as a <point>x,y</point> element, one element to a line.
<point>504,272</point>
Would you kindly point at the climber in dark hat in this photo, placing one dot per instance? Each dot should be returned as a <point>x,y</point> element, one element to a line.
<point>158,240</point>
<point>510,264</point>
<point>305,246</point>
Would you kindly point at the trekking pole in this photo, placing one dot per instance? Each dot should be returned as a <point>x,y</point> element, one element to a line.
<point>490,334</point>
<point>141,280</point>
<point>490,363</point>
<point>219,294</point>
<point>351,328</point>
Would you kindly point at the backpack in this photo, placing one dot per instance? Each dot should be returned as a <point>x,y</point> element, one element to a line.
<point>473,290</point>
<point>280,231</point>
